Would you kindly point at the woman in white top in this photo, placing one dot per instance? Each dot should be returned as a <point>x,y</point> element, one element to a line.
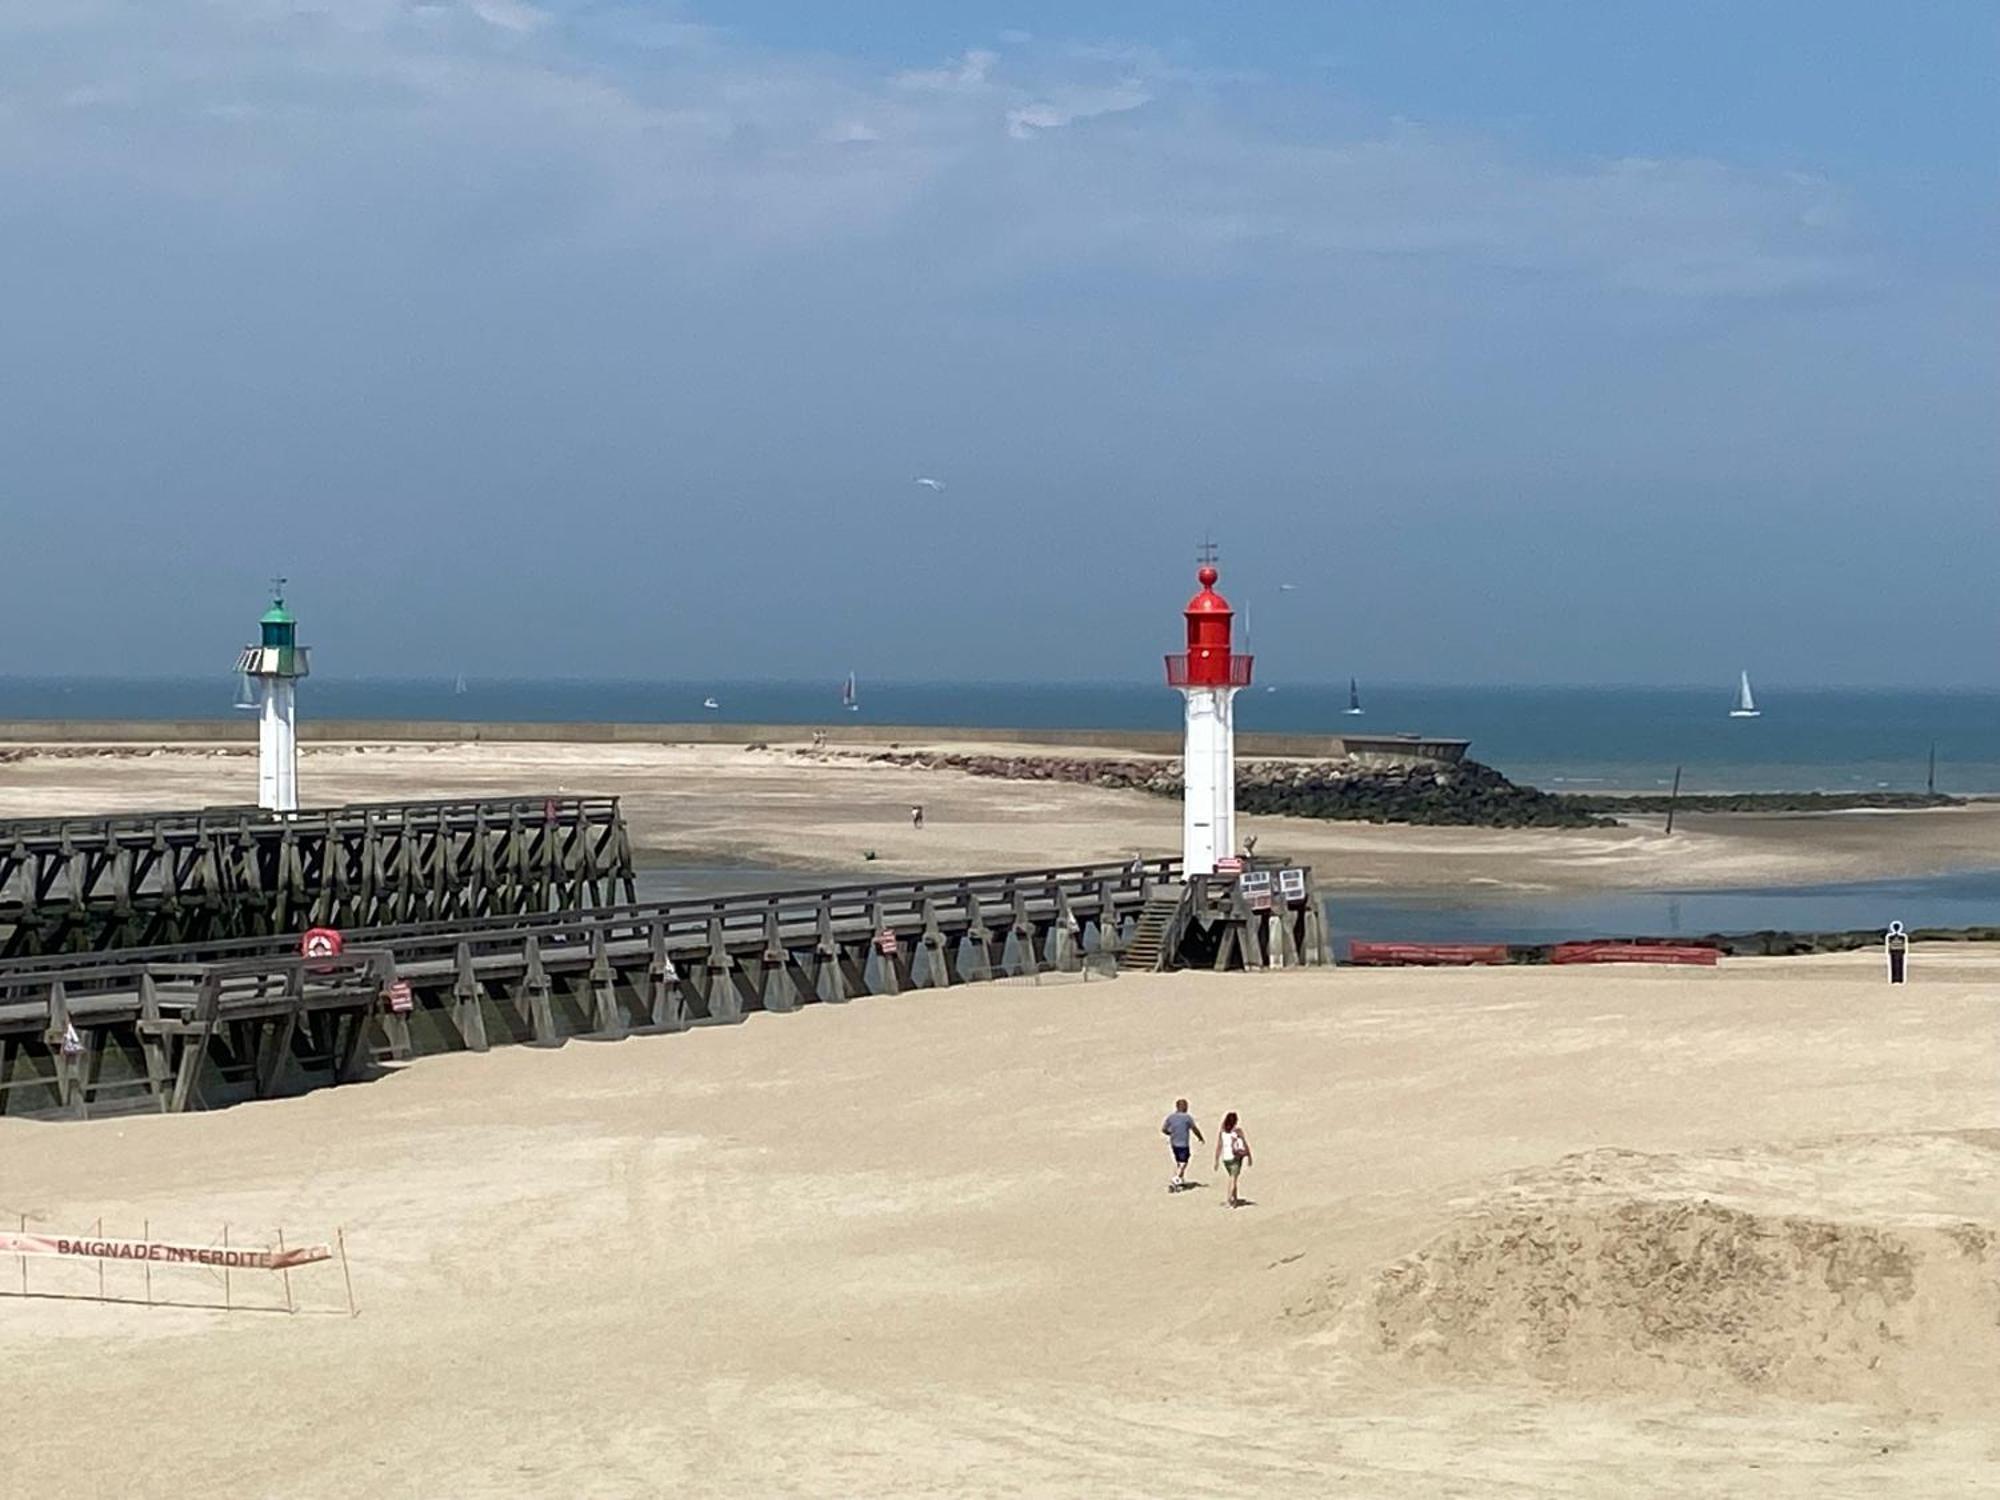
<point>1232,1154</point>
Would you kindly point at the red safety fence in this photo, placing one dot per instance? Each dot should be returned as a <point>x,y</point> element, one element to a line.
<point>1631,953</point>
<point>1392,955</point>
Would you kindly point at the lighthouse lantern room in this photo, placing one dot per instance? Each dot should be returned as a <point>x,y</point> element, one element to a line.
<point>1208,676</point>
<point>275,664</point>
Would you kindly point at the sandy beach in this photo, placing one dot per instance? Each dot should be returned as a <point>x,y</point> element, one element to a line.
<point>1513,1232</point>
<point>781,807</point>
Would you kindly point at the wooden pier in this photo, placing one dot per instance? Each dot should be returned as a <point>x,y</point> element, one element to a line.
<point>88,1036</point>
<point>99,884</point>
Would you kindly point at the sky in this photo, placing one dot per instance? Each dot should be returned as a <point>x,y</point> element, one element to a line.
<point>1552,342</point>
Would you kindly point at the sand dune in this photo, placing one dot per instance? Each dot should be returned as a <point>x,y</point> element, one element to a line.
<point>1705,1276</point>
<point>920,1245</point>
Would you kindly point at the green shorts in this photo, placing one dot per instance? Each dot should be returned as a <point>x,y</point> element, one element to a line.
<point>1233,1165</point>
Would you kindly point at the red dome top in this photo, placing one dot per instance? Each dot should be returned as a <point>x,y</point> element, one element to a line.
<point>1208,602</point>
<point>1210,660</point>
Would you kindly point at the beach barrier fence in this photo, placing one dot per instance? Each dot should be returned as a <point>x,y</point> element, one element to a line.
<point>227,1272</point>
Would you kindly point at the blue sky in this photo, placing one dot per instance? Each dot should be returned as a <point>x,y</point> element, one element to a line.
<point>1531,342</point>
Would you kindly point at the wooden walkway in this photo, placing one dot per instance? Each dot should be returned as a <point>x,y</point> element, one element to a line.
<point>606,972</point>
<point>100,884</point>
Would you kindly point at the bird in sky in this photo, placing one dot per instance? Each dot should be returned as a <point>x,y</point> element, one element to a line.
<point>1286,588</point>
<point>931,484</point>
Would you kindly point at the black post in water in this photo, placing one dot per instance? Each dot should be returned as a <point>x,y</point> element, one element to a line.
<point>1896,943</point>
<point>1930,781</point>
<point>1672,798</point>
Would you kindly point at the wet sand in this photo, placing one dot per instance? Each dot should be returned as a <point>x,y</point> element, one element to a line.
<point>920,1246</point>
<point>780,808</point>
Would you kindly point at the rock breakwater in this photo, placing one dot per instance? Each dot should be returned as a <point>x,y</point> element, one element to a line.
<point>1467,794</point>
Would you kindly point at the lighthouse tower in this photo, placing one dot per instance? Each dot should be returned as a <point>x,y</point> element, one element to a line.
<point>1208,676</point>
<point>275,664</point>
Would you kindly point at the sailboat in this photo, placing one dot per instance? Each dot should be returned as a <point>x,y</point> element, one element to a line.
<point>1746,706</point>
<point>710,703</point>
<point>1354,697</point>
<point>458,687</point>
<point>850,695</point>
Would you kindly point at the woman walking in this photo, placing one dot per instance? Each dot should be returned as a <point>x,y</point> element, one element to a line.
<point>1232,1154</point>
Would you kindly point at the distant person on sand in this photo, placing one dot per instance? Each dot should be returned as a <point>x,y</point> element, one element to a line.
<point>917,815</point>
<point>1232,1154</point>
<point>1177,1127</point>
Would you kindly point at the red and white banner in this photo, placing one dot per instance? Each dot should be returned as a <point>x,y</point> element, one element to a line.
<point>95,1247</point>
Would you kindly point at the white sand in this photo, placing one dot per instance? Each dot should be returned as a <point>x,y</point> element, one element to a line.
<point>773,808</point>
<point>920,1246</point>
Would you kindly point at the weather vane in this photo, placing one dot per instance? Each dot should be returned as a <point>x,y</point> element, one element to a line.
<point>278,587</point>
<point>1207,553</point>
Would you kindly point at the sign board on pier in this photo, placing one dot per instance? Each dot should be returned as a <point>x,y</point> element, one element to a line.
<point>1292,884</point>
<point>398,996</point>
<point>320,942</point>
<point>1256,889</point>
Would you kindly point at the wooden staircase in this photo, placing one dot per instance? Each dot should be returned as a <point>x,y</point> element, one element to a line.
<point>1146,952</point>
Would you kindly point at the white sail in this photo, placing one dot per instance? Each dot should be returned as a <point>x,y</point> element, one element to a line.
<point>1746,706</point>
<point>850,695</point>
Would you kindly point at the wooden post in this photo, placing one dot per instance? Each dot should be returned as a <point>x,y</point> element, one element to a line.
<point>940,959</point>
<point>778,991</point>
<point>1673,797</point>
<point>151,1042</point>
<point>608,1016</point>
<point>535,995</point>
<point>886,965</point>
<point>1069,945</point>
<point>1027,941</point>
<point>661,980</point>
<point>828,978</point>
<point>346,1275</point>
<point>718,971</point>
<point>465,1000</point>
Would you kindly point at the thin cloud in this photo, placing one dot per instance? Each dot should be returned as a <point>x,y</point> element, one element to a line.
<point>1026,121</point>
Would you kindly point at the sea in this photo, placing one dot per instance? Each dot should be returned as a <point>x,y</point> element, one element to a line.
<point>1559,738</point>
<point>1580,739</point>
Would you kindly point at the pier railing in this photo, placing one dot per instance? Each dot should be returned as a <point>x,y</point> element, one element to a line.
<point>209,875</point>
<point>84,1034</point>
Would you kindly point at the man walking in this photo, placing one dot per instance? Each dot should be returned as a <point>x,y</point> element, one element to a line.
<point>1177,1127</point>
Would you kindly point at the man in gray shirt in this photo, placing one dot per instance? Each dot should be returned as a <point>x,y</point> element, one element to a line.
<point>1177,1127</point>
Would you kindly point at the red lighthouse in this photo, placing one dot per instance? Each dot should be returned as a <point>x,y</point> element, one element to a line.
<point>1209,662</point>
<point>1208,676</point>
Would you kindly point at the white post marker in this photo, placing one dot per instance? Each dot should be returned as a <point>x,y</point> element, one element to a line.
<point>1896,948</point>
